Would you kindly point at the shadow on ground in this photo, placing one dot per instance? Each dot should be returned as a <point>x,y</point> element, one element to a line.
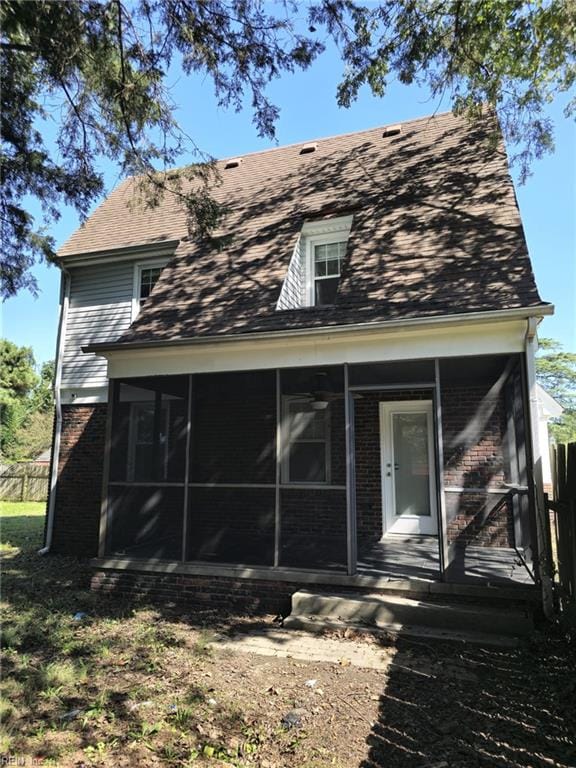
<point>453,707</point>
<point>439,705</point>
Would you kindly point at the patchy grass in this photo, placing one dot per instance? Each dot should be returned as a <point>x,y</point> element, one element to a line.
<point>133,684</point>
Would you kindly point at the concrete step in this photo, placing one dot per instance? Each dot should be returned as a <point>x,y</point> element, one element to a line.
<point>394,632</point>
<point>384,611</point>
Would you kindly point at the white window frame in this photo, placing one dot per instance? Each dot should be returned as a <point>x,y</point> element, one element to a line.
<point>323,232</point>
<point>132,435</point>
<point>285,431</point>
<point>311,243</point>
<point>139,267</point>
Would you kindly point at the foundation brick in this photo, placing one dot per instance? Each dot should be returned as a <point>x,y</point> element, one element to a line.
<point>256,596</point>
<point>79,487</point>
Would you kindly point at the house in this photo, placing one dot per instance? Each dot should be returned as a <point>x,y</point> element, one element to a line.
<point>337,388</point>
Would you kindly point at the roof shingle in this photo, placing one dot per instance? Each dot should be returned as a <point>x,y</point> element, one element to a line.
<point>436,231</point>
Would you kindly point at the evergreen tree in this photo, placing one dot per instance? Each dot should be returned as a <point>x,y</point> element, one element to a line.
<point>99,71</point>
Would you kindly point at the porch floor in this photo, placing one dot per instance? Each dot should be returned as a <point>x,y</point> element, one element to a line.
<point>418,558</point>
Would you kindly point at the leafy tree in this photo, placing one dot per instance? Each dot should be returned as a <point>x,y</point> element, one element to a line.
<point>99,71</point>
<point>556,372</point>
<point>35,436</point>
<point>42,400</point>
<point>17,374</point>
<point>13,412</point>
<point>26,403</point>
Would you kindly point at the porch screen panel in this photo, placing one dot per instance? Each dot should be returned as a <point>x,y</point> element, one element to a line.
<point>524,530</point>
<point>313,532</point>
<point>231,497</point>
<point>479,467</point>
<point>148,441</point>
<point>145,522</point>
<point>147,467</point>
<point>234,428</point>
<point>313,529</point>
<point>391,373</point>
<point>231,525</point>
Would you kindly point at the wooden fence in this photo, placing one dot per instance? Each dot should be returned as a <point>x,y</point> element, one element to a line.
<point>24,482</point>
<point>562,508</point>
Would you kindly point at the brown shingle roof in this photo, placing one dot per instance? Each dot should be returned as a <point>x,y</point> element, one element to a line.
<point>436,231</point>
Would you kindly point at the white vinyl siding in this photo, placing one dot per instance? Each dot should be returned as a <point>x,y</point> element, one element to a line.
<point>294,286</point>
<point>99,310</point>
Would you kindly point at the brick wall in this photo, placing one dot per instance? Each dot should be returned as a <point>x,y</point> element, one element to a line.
<point>474,457</point>
<point>259,596</point>
<point>474,460</point>
<point>479,519</point>
<point>79,489</point>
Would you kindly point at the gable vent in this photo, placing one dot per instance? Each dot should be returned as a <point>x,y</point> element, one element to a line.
<point>234,163</point>
<point>308,148</point>
<point>391,130</point>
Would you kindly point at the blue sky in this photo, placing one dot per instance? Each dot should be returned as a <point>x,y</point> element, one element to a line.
<point>308,110</point>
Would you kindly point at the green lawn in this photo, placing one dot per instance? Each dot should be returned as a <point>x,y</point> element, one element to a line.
<point>22,524</point>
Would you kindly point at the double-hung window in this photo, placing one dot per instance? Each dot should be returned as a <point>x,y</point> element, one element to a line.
<point>148,279</point>
<point>145,431</point>
<point>306,455</point>
<point>325,250</point>
<point>316,264</point>
<point>145,278</point>
<point>327,263</point>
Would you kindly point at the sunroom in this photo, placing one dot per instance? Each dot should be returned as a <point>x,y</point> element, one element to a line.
<point>393,470</point>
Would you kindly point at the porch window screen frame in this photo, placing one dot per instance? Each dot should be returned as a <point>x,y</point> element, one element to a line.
<point>165,479</point>
<point>185,484</point>
<point>288,441</point>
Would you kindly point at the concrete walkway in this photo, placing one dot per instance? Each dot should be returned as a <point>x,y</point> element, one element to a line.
<point>306,647</point>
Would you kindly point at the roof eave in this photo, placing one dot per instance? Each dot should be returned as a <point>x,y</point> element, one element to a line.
<point>112,254</point>
<point>539,310</point>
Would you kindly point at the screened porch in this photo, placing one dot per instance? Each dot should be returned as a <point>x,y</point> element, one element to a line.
<point>407,470</point>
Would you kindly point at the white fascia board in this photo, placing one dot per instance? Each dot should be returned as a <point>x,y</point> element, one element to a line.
<point>327,226</point>
<point>392,344</point>
<point>130,253</point>
<point>84,395</point>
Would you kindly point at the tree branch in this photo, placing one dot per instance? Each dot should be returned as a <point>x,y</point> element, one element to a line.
<point>18,47</point>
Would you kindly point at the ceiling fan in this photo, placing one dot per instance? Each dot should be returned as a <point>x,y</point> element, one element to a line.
<point>321,396</point>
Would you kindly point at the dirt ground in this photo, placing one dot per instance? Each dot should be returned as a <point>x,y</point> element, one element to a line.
<point>92,681</point>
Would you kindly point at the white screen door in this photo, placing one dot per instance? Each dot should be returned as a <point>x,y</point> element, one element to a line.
<point>407,451</point>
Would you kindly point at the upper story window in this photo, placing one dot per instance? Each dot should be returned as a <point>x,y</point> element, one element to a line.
<point>314,271</point>
<point>327,260</point>
<point>148,278</point>
<point>145,278</point>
